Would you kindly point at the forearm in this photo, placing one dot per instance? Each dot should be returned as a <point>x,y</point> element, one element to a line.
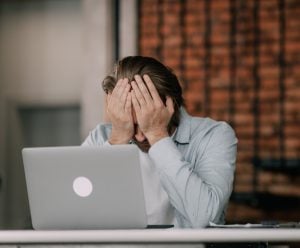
<point>119,138</point>
<point>198,198</point>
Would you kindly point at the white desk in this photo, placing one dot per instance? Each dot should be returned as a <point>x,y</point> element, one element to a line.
<point>166,236</point>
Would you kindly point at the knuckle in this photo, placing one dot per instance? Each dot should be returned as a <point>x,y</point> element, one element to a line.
<point>151,108</point>
<point>159,106</point>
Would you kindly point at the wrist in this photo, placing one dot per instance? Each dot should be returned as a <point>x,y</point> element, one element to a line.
<point>156,136</point>
<point>116,139</point>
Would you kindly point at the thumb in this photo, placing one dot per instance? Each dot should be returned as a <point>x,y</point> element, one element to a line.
<point>170,104</point>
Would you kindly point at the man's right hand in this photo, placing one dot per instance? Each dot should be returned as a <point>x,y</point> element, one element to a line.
<point>119,111</point>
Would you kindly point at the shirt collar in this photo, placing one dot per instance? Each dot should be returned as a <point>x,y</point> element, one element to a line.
<point>183,132</point>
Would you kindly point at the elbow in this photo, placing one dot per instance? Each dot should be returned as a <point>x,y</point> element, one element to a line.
<point>212,211</point>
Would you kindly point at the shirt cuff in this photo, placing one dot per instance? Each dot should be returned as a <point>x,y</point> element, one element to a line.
<point>164,153</point>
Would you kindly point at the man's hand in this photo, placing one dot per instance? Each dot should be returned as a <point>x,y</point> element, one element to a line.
<point>120,113</point>
<point>153,116</point>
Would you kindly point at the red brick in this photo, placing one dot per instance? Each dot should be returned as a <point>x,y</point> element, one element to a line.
<point>293,95</point>
<point>172,20</point>
<point>292,106</point>
<point>268,5</point>
<point>292,130</point>
<point>221,5</point>
<point>291,81</point>
<point>171,6</point>
<point>194,62</point>
<point>271,153</point>
<point>269,72</point>
<point>270,95</point>
<point>220,80</point>
<point>174,64</point>
<point>242,96</point>
<point>269,118</point>
<point>194,74</point>
<point>244,157</point>
<point>173,53</point>
<point>172,41</point>
<point>293,154</point>
<point>242,106</point>
<point>194,19</point>
<point>268,131</point>
<point>269,107</point>
<point>247,133</point>
<point>270,59</point>
<point>292,46</point>
<point>149,6</point>
<point>243,118</point>
<point>292,24</point>
<point>194,6</point>
<point>292,143</point>
<point>269,143</point>
<point>267,14</point>
<point>269,84</point>
<point>221,50</point>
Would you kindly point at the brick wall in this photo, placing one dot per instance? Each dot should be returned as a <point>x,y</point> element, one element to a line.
<point>238,61</point>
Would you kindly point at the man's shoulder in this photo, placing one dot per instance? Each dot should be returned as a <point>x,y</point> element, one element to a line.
<point>193,128</point>
<point>204,126</point>
<point>209,135</point>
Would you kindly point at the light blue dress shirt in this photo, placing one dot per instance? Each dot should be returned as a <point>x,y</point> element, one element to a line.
<point>196,167</point>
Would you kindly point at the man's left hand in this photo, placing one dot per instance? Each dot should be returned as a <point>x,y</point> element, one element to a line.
<point>153,116</point>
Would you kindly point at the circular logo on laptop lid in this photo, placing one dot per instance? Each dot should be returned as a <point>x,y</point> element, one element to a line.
<point>82,186</point>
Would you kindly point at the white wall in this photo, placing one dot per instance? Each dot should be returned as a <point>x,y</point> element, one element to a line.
<point>51,53</point>
<point>98,61</point>
<point>41,51</point>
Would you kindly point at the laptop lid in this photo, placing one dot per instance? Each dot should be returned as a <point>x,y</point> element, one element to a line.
<point>85,187</point>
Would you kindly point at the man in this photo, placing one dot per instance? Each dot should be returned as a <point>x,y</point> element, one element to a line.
<point>187,162</point>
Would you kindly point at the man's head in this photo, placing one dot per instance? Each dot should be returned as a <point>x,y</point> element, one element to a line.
<point>162,77</point>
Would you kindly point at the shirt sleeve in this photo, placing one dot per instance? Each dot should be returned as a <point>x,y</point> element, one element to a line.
<point>97,137</point>
<point>89,142</point>
<point>199,188</point>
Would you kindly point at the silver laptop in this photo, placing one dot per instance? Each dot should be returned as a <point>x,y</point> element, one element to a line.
<point>85,187</point>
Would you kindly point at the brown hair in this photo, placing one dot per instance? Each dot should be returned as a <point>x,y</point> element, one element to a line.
<point>163,78</point>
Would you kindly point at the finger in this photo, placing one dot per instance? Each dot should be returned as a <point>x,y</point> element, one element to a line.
<point>108,96</point>
<point>108,102</point>
<point>118,84</point>
<point>125,94</point>
<point>143,89</point>
<point>128,103</point>
<point>117,93</point>
<point>137,93</point>
<point>123,87</point>
<point>153,91</point>
<point>109,99</point>
<point>135,103</point>
<point>170,105</point>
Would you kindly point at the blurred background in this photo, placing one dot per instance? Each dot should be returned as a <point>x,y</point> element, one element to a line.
<point>237,61</point>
